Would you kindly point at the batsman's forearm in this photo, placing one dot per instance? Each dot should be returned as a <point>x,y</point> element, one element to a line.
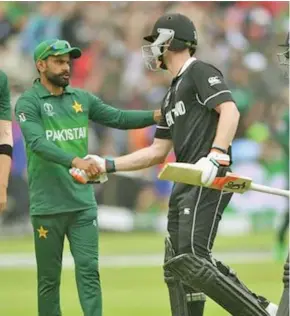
<point>140,159</point>
<point>6,132</point>
<point>5,166</point>
<point>227,127</point>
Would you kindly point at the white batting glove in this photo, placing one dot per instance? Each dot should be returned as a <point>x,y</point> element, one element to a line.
<point>81,176</point>
<point>209,166</point>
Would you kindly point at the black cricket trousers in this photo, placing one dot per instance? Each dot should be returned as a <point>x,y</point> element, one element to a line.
<point>193,218</point>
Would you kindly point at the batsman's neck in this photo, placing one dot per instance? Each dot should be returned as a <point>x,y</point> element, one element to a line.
<point>176,60</point>
<point>54,90</point>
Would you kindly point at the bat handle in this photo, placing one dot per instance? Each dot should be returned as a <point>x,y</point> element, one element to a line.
<point>269,190</point>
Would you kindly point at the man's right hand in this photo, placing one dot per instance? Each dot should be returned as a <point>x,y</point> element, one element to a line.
<point>88,165</point>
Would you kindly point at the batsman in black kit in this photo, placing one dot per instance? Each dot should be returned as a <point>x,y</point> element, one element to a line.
<point>199,120</point>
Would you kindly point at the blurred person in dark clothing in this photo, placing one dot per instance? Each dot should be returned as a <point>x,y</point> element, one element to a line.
<point>74,28</point>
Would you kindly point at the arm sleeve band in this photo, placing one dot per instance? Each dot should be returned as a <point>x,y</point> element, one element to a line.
<point>6,149</point>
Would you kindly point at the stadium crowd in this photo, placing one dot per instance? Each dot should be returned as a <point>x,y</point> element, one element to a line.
<point>240,38</point>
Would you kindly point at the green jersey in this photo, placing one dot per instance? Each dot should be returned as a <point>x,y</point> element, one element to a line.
<point>5,108</point>
<point>55,130</point>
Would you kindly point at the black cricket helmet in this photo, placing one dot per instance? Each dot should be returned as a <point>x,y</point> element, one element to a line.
<point>173,32</point>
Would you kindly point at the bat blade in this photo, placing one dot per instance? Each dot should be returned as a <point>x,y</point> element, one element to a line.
<point>190,174</point>
<point>181,172</point>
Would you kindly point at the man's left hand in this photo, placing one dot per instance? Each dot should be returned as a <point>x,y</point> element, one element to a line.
<point>209,166</point>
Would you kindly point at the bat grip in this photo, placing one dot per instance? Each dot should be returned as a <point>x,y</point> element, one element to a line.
<point>269,190</point>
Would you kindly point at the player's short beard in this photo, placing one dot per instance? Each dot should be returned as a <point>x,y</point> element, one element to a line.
<point>57,79</point>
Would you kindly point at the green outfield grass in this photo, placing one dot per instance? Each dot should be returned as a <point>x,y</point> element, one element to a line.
<point>130,291</point>
<point>126,291</point>
<point>143,243</point>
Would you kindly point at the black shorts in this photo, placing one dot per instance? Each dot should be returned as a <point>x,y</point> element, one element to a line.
<point>193,218</point>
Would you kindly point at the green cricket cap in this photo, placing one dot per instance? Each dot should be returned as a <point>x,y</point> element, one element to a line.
<point>55,47</point>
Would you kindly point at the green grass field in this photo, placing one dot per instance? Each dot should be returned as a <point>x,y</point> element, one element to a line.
<point>144,243</point>
<point>130,291</point>
<point>126,291</point>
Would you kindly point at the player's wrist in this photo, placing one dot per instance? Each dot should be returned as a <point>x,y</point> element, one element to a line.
<point>220,159</point>
<point>110,165</point>
<point>218,149</point>
<point>6,149</point>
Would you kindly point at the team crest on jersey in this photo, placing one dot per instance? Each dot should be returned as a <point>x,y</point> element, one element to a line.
<point>48,109</point>
<point>214,80</point>
<point>77,107</point>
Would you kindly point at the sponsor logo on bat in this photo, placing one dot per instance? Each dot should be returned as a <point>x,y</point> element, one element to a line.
<point>220,182</point>
<point>235,186</point>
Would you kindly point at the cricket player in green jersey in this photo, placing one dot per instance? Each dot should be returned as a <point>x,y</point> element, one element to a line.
<point>6,139</point>
<point>54,119</point>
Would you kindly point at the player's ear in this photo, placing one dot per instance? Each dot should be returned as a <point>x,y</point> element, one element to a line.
<point>41,65</point>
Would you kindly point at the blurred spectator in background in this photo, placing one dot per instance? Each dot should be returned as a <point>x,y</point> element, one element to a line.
<point>6,27</point>
<point>41,25</point>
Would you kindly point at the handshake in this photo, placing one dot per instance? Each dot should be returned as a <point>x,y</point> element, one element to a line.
<point>91,169</point>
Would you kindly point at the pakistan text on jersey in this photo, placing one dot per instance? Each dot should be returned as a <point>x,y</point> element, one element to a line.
<point>66,134</point>
<point>178,110</point>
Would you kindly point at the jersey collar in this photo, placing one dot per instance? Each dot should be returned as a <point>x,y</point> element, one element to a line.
<point>186,65</point>
<point>44,93</point>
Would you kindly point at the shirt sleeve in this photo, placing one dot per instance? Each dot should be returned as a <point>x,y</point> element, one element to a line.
<point>210,86</point>
<point>162,129</point>
<point>112,117</point>
<point>33,132</point>
<point>5,106</point>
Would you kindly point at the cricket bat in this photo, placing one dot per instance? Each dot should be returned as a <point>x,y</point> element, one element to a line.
<point>190,174</point>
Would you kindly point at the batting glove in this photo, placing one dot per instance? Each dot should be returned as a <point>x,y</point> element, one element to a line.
<point>209,166</point>
<point>81,176</point>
